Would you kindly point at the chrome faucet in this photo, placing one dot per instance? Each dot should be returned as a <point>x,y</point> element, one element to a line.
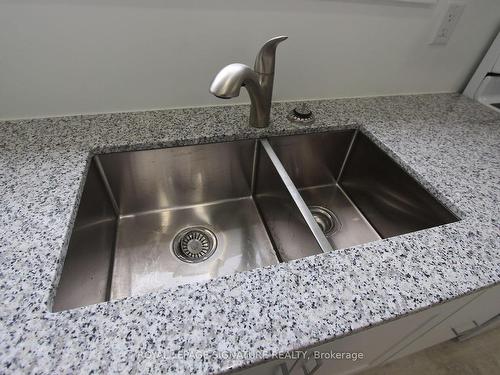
<point>259,82</point>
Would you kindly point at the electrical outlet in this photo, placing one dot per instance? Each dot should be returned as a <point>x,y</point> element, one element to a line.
<point>449,20</point>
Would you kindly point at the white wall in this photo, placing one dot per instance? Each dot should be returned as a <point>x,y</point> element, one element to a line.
<point>62,57</point>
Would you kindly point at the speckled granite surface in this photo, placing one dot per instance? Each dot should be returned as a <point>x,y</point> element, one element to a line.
<point>446,141</point>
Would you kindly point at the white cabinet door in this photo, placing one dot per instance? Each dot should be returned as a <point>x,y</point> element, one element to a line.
<point>476,313</point>
<point>372,343</point>
<point>391,340</point>
<point>441,313</point>
<point>343,356</point>
<point>484,306</point>
<point>273,367</point>
<point>382,342</point>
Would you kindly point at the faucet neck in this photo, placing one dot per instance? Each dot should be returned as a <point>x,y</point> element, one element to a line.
<point>260,104</point>
<point>260,115</point>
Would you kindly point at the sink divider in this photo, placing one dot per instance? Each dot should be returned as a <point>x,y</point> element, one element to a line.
<point>297,198</point>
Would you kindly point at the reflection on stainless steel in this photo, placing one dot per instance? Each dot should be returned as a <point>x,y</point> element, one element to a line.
<point>179,176</point>
<point>85,276</point>
<point>389,198</point>
<point>153,219</point>
<point>258,82</point>
<point>278,205</point>
<point>145,260</point>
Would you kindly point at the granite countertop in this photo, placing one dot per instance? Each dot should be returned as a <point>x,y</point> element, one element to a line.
<point>446,141</point>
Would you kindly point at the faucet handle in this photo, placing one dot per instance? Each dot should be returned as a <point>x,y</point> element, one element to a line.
<point>264,63</point>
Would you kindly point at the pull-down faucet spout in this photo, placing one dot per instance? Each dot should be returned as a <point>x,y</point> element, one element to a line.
<point>259,82</point>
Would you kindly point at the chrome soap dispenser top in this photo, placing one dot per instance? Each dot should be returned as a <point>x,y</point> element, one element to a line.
<point>259,82</point>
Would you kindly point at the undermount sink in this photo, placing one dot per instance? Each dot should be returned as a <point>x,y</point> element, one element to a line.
<point>349,181</point>
<point>153,219</point>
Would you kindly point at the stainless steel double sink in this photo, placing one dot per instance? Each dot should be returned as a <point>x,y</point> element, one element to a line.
<point>153,219</point>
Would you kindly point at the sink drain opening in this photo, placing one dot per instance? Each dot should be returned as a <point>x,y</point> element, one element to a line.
<point>325,219</point>
<point>194,244</point>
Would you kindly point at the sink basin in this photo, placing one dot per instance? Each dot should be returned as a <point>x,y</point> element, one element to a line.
<point>153,219</point>
<point>354,187</point>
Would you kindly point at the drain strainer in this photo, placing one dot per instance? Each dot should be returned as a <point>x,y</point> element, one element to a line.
<point>194,244</point>
<point>325,218</point>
